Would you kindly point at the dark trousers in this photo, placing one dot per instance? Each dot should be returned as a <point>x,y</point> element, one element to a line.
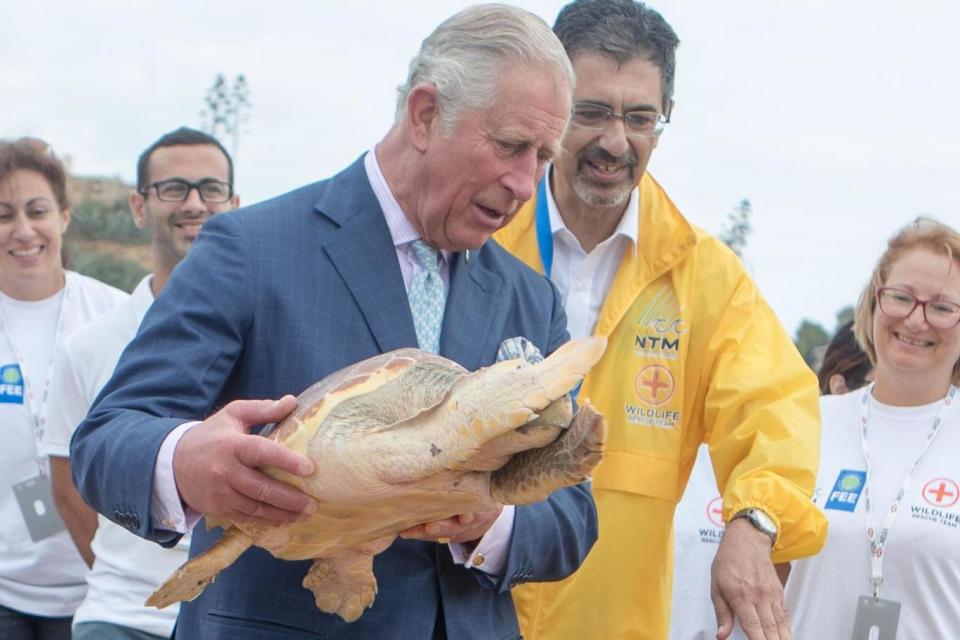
<point>16,625</point>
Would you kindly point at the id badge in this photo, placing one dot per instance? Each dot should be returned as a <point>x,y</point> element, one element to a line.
<point>876,613</point>
<point>35,498</point>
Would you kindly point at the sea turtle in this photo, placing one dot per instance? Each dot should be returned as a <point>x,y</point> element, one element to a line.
<point>409,437</point>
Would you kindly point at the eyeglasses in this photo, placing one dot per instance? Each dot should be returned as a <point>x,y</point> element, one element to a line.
<point>898,304</point>
<point>636,123</point>
<point>178,190</point>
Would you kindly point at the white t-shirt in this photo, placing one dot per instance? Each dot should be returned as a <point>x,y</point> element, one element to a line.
<point>43,578</point>
<point>126,568</point>
<point>697,529</point>
<point>922,565</point>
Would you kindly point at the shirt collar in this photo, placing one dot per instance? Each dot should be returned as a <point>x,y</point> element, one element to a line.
<point>627,227</point>
<point>402,230</point>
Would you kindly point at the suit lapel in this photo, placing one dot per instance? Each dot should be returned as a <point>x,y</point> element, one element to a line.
<point>474,317</point>
<point>363,254</point>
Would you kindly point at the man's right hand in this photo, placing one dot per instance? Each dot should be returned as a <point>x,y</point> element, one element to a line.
<point>216,466</point>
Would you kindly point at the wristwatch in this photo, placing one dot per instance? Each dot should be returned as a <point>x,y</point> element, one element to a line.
<point>760,520</point>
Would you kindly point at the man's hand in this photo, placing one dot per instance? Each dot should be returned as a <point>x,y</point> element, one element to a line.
<point>464,528</point>
<point>80,519</point>
<point>216,466</point>
<point>744,584</point>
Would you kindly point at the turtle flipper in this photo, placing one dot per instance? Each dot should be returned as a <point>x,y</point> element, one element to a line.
<point>532,475</point>
<point>345,584</point>
<point>193,576</point>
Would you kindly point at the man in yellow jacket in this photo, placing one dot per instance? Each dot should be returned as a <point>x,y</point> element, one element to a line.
<point>695,355</point>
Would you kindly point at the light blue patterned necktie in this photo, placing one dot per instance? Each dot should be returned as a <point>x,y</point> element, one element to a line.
<point>428,298</point>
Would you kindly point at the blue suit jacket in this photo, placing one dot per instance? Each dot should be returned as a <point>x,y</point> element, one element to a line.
<point>272,298</point>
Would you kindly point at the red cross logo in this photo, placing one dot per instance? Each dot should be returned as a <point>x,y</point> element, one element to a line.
<point>715,512</point>
<point>941,492</point>
<point>655,384</point>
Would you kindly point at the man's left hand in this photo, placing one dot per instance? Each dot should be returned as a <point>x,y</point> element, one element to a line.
<point>744,584</point>
<point>464,528</point>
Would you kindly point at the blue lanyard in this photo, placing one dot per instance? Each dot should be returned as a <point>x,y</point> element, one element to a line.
<point>545,244</point>
<point>544,234</point>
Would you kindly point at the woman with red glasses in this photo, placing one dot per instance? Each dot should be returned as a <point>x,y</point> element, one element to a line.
<point>889,478</point>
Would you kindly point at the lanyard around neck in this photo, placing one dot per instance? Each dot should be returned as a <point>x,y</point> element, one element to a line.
<point>878,540</point>
<point>544,233</point>
<point>545,244</point>
<point>38,405</point>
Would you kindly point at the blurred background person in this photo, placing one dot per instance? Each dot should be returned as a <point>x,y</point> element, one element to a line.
<point>888,469</point>
<point>698,525</point>
<point>182,179</point>
<point>41,573</point>
<point>846,367</point>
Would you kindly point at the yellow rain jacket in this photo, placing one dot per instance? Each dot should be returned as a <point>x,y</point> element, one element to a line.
<point>695,355</point>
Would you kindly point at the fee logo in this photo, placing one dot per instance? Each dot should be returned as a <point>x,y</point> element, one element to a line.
<point>942,493</point>
<point>11,384</point>
<point>846,490</point>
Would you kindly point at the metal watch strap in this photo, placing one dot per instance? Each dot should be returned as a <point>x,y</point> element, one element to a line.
<point>760,521</point>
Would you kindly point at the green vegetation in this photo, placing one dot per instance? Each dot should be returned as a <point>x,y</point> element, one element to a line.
<point>94,221</point>
<point>812,339</point>
<point>96,243</point>
<point>227,110</point>
<point>810,336</point>
<point>737,228</point>
<point>119,272</point>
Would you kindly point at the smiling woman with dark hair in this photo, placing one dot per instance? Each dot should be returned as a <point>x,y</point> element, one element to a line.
<point>888,471</point>
<point>41,573</point>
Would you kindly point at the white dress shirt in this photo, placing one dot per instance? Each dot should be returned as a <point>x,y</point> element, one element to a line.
<point>490,554</point>
<point>582,278</point>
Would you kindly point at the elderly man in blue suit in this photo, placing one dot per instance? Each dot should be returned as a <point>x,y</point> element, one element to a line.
<point>283,293</point>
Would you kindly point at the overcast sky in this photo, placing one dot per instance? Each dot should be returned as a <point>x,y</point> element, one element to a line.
<point>838,120</point>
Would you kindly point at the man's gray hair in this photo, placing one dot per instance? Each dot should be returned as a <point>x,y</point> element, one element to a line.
<point>621,30</point>
<point>464,56</point>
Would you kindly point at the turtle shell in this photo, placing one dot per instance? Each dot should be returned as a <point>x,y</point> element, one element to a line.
<point>369,395</point>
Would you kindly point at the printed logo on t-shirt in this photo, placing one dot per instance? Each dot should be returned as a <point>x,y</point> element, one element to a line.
<point>941,494</point>
<point>846,490</point>
<point>713,535</point>
<point>715,511</point>
<point>11,384</point>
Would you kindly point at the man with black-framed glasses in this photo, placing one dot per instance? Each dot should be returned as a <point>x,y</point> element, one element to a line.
<point>179,186</point>
<point>182,179</point>
<point>695,356</point>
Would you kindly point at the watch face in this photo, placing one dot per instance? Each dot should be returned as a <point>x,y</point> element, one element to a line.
<point>762,521</point>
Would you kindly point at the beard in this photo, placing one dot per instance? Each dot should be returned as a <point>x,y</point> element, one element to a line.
<point>602,194</point>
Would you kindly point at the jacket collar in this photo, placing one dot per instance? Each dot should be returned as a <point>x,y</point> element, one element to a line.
<point>665,236</point>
